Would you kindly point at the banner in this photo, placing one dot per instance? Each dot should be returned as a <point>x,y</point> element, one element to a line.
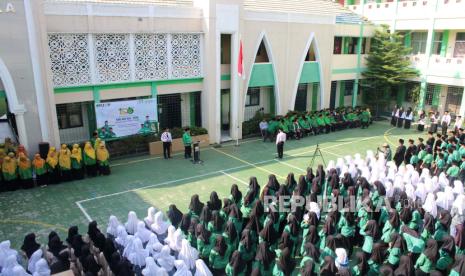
<point>124,118</point>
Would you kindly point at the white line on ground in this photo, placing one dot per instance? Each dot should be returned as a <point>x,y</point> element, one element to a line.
<point>84,211</point>
<point>289,165</point>
<point>235,178</point>
<point>332,153</point>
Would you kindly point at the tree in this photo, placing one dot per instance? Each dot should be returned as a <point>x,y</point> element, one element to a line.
<point>387,67</point>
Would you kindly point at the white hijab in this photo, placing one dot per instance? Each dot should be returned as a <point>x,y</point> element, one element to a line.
<point>159,226</point>
<point>188,254</point>
<point>430,205</point>
<point>129,248</point>
<point>181,269</point>
<point>389,189</point>
<point>458,187</point>
<point>121,236</point>
<point>445,199</point>
<point>459,204</point>
<point>341,258</point>
<point>315,208</point>
<point>201,269</point>
<point>331,165</point>
<point>41,268</point>
<point>9,265</point>
<point>443,181</point>
<point>164,259</point>
<point>138,254</point>
<point>170,238</point>
<point>19,271</point>
<point>410,191</point>
<point>142,233</point>
<point>152,269</point>
<point>420,192</point>
<point>153,246</point>
<point>112,228</point>
<point>5,251</point>
<point>150,214</point>
<point>131,225</point>
<point>35,257</point>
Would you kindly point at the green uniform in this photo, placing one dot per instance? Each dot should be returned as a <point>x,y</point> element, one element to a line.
<point>230,271</point>
<point>25,174</point>
<point>186,139</point>
<point>424,264</point>
<point>219,262</point>
<point>444,260</point>
<point>453,171</point>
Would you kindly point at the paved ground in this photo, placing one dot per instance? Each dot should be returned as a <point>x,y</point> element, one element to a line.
<point>137,183</point>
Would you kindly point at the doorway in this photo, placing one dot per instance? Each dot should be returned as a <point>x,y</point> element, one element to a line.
<point>169,108</point>
<point>332,99</point>
<point>225,114</point>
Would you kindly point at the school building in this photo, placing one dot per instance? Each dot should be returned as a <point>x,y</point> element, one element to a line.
<point>58,58</point>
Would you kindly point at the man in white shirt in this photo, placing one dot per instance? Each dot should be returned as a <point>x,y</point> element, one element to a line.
<point>166,139</point>
<point>458,123</point>
<point>264,129</point>
<point>445,122</point>
<point>280,139</point>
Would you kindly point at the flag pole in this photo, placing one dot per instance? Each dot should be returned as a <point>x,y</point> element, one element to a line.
<point>240,72</point>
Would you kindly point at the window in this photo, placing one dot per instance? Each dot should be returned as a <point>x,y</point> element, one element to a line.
<point>69,115</point>
<point>459,50</point>
<point>352,45</point>
<point>364,46</point>
<point>337,45</point>
<point>437,44</point>
<point>253,97</point>
<point>348,88</point>
<point>419,42</point>
<point>429,94</point>
<point>410,88</point>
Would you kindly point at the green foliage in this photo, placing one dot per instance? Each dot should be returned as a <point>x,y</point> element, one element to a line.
<point>387,67</point>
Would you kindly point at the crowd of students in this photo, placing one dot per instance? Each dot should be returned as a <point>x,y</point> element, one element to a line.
<point>63,165</point>
<point>297,125</point>
<point>384,218</point>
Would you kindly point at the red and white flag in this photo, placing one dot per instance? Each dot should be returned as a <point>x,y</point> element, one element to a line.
<point>240,62</point>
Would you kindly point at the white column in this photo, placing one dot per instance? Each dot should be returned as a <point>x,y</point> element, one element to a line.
<point>235,84</point>
<point>21,127</point>
<point>462,105</point>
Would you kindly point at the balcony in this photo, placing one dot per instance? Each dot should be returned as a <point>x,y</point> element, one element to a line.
<point>440,66</point>
<point>421,9</point>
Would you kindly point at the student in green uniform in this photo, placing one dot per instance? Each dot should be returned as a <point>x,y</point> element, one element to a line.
<point>312,254</point>
<point>10,172</point>
<point>264,259</point>
<point>251,196</point>
<point>365,118</point>
<point>369,232</point>
<point>284,265</point>
<point>361,266</point>
<point>390,226</point>
<point>376,260</point>
<point>428,227</point>
<point>76,163</point>
<point>446,254</point>
<point>396,249</point>
<point>25,171</point>
<point>215,226</point>
<point>187,141</point>
<point>442,225</point>
<point>204,241</point>
<point>426,262</point>
<point>230,235</point>
<point>236,265</point>
<point>321,123</point>
<point>90,160</point>
<point>453,171</point>
<point>458,269</point>
<point>346,227</point>
<point>219,255</point>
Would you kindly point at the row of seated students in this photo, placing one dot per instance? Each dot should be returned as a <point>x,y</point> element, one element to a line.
<point>297,125</point>
<point>63,165</point>
<point>417,228</point>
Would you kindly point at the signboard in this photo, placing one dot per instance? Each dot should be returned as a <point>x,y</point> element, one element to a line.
<point>124,118</point>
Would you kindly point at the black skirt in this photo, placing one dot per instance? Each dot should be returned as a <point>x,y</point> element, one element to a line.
<point>66,175</point>
<point>421,127</point>
<point>104,170</point>
<point>42,180</point>
<point>27,183</point>
<point>433,128</point>
<point>54,176</point>
<point>91,170</point>
<point>77,174</point>
<point>400,122</point>
<point>407,124</point>
<point>393,120</point>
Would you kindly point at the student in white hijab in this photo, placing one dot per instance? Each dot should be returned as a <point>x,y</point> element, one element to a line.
<point>5,251</point>
<point>201,269</point>
<point>9,265</point>
<point>410,191</point>
<point>41,268</point>
<point>152,269</point>
<point>170,238</point>
<point>153,246</point>
<point>457,213</point>
<point>445,199</point>
<point>430,205</point>
<point>315,208</point>
<point>420,192</point>
<point>188,254</point>
<point>129,248</point>
<point>164,258</point>
<point>181,269</point>
<point>159,226</point>
<point>458,187</point>
<point>176,245</point>
<point>131,224</point>
<point>389,188</point>
<point>35,257</point>
<point>138,254</point>
<point>112,228</point>
<point>331,165</point>
<point>19,271</point>
<point>150,214</point>
<point>341,258</point>
<point>443,181</point>
<point>142,233</point>
<point>121,237</point>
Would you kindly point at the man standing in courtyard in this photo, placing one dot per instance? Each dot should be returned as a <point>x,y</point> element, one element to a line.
<point>187,141</point>
<point>280,140</point>
<point>400,153</point>
<point>445,122</point>
<point>166,139</point>
<point>264,129</point>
